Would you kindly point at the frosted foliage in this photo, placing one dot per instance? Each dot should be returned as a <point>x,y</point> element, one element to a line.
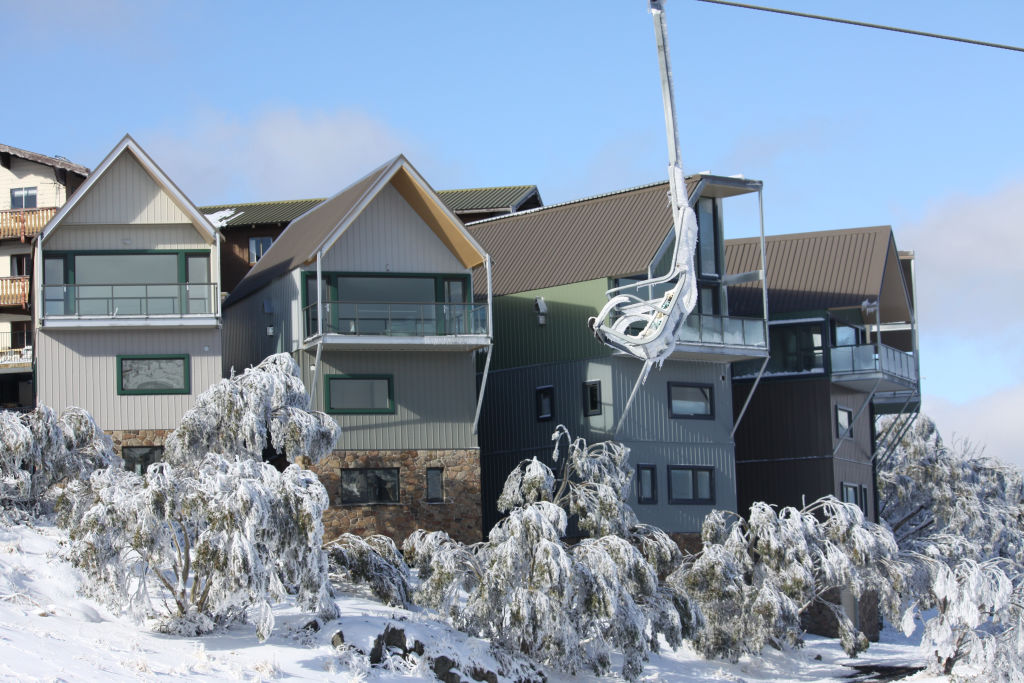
<point>374,561</point>
<point>527,591</point>
<point>755,577</point>
<point>39,449</point>
<point>207,544</point>
<point>237,416</point>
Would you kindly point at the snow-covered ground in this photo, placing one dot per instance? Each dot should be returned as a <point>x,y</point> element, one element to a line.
<point>49,632</point>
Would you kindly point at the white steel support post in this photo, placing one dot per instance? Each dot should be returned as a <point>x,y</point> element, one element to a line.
<point>319,298</point>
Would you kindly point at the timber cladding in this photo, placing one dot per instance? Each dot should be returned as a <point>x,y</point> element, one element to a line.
<point>457,511</point>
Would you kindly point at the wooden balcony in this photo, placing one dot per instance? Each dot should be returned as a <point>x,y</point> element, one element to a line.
<point>24,224</point>
<point>14,291</point>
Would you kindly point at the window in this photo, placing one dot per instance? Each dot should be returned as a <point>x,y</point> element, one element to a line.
<point>690,401</point>
<point>545,403</point>
<point>796,347</point>
<point>360,394</point>
<point>691,485</point>
<point>845,335</point>
<point>23,197</point>
<point>435,484</point>
<point>646,484</point>
<point>138,458</point>
<point>21,265</point>
<point>844,419</point>
<point>258,247</point>
<point>592,397</point>
<point>855,494</point>
<point>153,375</point>
<point>364,486</point>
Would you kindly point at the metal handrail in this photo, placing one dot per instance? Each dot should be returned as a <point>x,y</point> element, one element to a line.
<point>394,318</point>
<point>15,347</point>
<point>125,300</point>
<point>869,358</point>
<point>724,330</point>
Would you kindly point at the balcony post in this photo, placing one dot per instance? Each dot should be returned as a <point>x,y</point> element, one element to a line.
<point>319,297</point>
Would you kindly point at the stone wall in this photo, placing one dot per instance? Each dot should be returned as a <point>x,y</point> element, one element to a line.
<point>459,514</point>
<point>140,437</point>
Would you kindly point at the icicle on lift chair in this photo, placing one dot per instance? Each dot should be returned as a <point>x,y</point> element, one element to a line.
<point>648,328</point>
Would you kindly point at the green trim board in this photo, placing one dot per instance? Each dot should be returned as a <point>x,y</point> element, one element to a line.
<point>328,407</point>
<point>331,281</point>
<point>149,386</point>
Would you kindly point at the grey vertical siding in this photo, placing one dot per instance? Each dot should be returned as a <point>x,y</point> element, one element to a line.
<point>435,398</point>
<point>125,237</point>
<point>389,236</point>
<point>126,194</point>
<point>246,341</point>
<point>78,368</point>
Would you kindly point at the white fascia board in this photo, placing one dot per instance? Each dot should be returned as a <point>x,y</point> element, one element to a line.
<point>356,210</point>
<point>138,323</point>
<point>444,207</point>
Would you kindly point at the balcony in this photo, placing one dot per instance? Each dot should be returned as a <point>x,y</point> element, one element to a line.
<point>15,351</point>
<point>397,325</point>
<point>860,367</point>
<point>125,305</point>
<point>24,224</point>
<point>14,291</point>
<point>711,337</point>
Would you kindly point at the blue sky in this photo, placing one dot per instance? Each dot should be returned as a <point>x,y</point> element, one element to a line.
<point>846,126</point>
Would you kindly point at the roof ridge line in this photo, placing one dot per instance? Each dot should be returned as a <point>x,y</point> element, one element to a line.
<point>273,201</point>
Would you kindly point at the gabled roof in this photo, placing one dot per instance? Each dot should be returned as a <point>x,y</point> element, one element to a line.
<point>320,227</point>
<point>255,213</point>
<point>129,146</point>
<point>55,162</point>
<point>816,271</point>
<point>483,199</point>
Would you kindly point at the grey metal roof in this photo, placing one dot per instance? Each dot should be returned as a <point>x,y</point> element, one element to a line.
<point>254,213</point>
<point>55,162</point>
<point>609,235</point>
<point>487,198</point>
<point>811,271</point>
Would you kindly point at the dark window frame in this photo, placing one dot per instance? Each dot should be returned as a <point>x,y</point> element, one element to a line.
<point>186,389</point>
<point>692,385</point>
<point>653,498</point>
<point>390,410</point>
<point>840,432</point>
<point>588,406</point>
<point>23,193</point>
<point>548,389</point>
<point>693,469</point>
<point>365,470</point>
<point>426,490</point>
<point>128,458</point>
<point>255,241</point>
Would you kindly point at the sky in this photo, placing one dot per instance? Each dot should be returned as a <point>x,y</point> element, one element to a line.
<point>846,126</point>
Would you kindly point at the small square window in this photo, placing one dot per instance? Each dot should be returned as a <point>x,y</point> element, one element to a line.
<point>257,247</point>
<point>545,403</point>
<point>435,484</point>
<point>691,485</point>
<point>692,401</point>
<point>592,397</point>
<point>21,265</point>
<point>144,375</point>
<point>646,484</point>
<point>369,485</point>
<point>360,394</point>
<point>23,197</point>
<point>844,419</point>
<point>138,458</point>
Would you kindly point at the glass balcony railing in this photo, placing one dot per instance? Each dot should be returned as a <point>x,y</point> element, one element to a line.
<point>15,348</point>
<point>863,358</point>
<point>395,319</point>
<point>723,330</point>
<point>129,300</point>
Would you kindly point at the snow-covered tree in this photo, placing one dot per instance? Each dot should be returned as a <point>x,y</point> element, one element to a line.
<point>39,449</point>
<point>755,577</point>
<point>528,591</point>
<point>374,561</point>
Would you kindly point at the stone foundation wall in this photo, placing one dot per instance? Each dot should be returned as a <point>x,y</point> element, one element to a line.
<point>459,515</point>
<point>139,437</point>
<point>820,621</point>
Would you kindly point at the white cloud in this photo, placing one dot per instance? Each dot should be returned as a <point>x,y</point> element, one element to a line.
<point>992,422</point>
<point>275,154</point>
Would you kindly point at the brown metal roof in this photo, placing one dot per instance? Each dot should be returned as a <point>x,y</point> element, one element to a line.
<point>256,213</point>
<point>811,271</point>
<point>487,198</point>
<point>55,162</point>
<point>609,235</point>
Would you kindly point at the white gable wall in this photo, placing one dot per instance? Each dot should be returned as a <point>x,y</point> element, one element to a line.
<point>126,194</point>
<point>25,173</point>
<point>117,237</point>
<point>389,236</point>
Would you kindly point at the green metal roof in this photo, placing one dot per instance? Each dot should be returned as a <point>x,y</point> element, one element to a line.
<point>234,215</point>
<point>487,198</point>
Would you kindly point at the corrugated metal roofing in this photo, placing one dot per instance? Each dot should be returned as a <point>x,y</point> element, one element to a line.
<point>810,271</point>
<point>610,235</point>
<point>259,212</point>
<point>55,162</point>
<point>487,198</point>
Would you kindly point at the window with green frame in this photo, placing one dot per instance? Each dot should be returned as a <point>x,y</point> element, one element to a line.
<point>359,394</point>
<point>145,375</point>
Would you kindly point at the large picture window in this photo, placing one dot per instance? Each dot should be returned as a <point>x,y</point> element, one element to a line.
<point>691,485</point>
<point>153,375</point>
<point>369,485</point>
<point>360,394</point>
<point>691,401</point>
